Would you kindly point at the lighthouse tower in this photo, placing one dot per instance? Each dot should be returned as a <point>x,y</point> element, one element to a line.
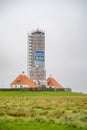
<point>36,56</point>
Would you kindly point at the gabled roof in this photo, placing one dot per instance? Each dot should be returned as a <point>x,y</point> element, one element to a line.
<point>23,79</point>
<point>52,82</point>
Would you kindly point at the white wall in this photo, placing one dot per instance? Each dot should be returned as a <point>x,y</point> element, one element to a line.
<point>20,86</point>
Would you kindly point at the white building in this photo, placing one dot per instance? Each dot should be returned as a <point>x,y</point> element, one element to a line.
<point>22,81</point>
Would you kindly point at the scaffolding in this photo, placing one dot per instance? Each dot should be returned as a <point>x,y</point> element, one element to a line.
<point>36,48</point>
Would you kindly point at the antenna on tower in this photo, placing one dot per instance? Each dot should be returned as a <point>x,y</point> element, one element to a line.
<point>37,30</point>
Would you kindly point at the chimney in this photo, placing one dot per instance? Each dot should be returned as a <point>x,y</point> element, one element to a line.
<point>50,75</point>
<point>23,73</point>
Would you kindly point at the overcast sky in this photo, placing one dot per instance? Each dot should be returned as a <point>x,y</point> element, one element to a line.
<point>65,26</point>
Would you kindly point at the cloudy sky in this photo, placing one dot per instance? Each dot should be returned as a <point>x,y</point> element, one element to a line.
<point>65,26</point>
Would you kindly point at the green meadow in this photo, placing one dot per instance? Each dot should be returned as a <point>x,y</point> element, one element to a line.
<point>27,110</point>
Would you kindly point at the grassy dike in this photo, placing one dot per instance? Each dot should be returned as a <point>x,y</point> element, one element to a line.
<point>39,93</point>
<point>27,110</point>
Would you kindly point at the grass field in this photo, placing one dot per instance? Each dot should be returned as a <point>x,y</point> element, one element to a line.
<point>25,110</point>
<point>39,93</point>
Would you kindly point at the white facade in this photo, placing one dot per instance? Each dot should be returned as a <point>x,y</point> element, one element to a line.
<point>20,86</point>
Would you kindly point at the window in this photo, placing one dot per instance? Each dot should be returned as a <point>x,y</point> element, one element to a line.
<point>21,86</point>
<point>15,86</point>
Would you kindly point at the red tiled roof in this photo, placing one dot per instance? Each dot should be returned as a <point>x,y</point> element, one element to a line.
<point>23,79</point>
<point>52,82</point>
